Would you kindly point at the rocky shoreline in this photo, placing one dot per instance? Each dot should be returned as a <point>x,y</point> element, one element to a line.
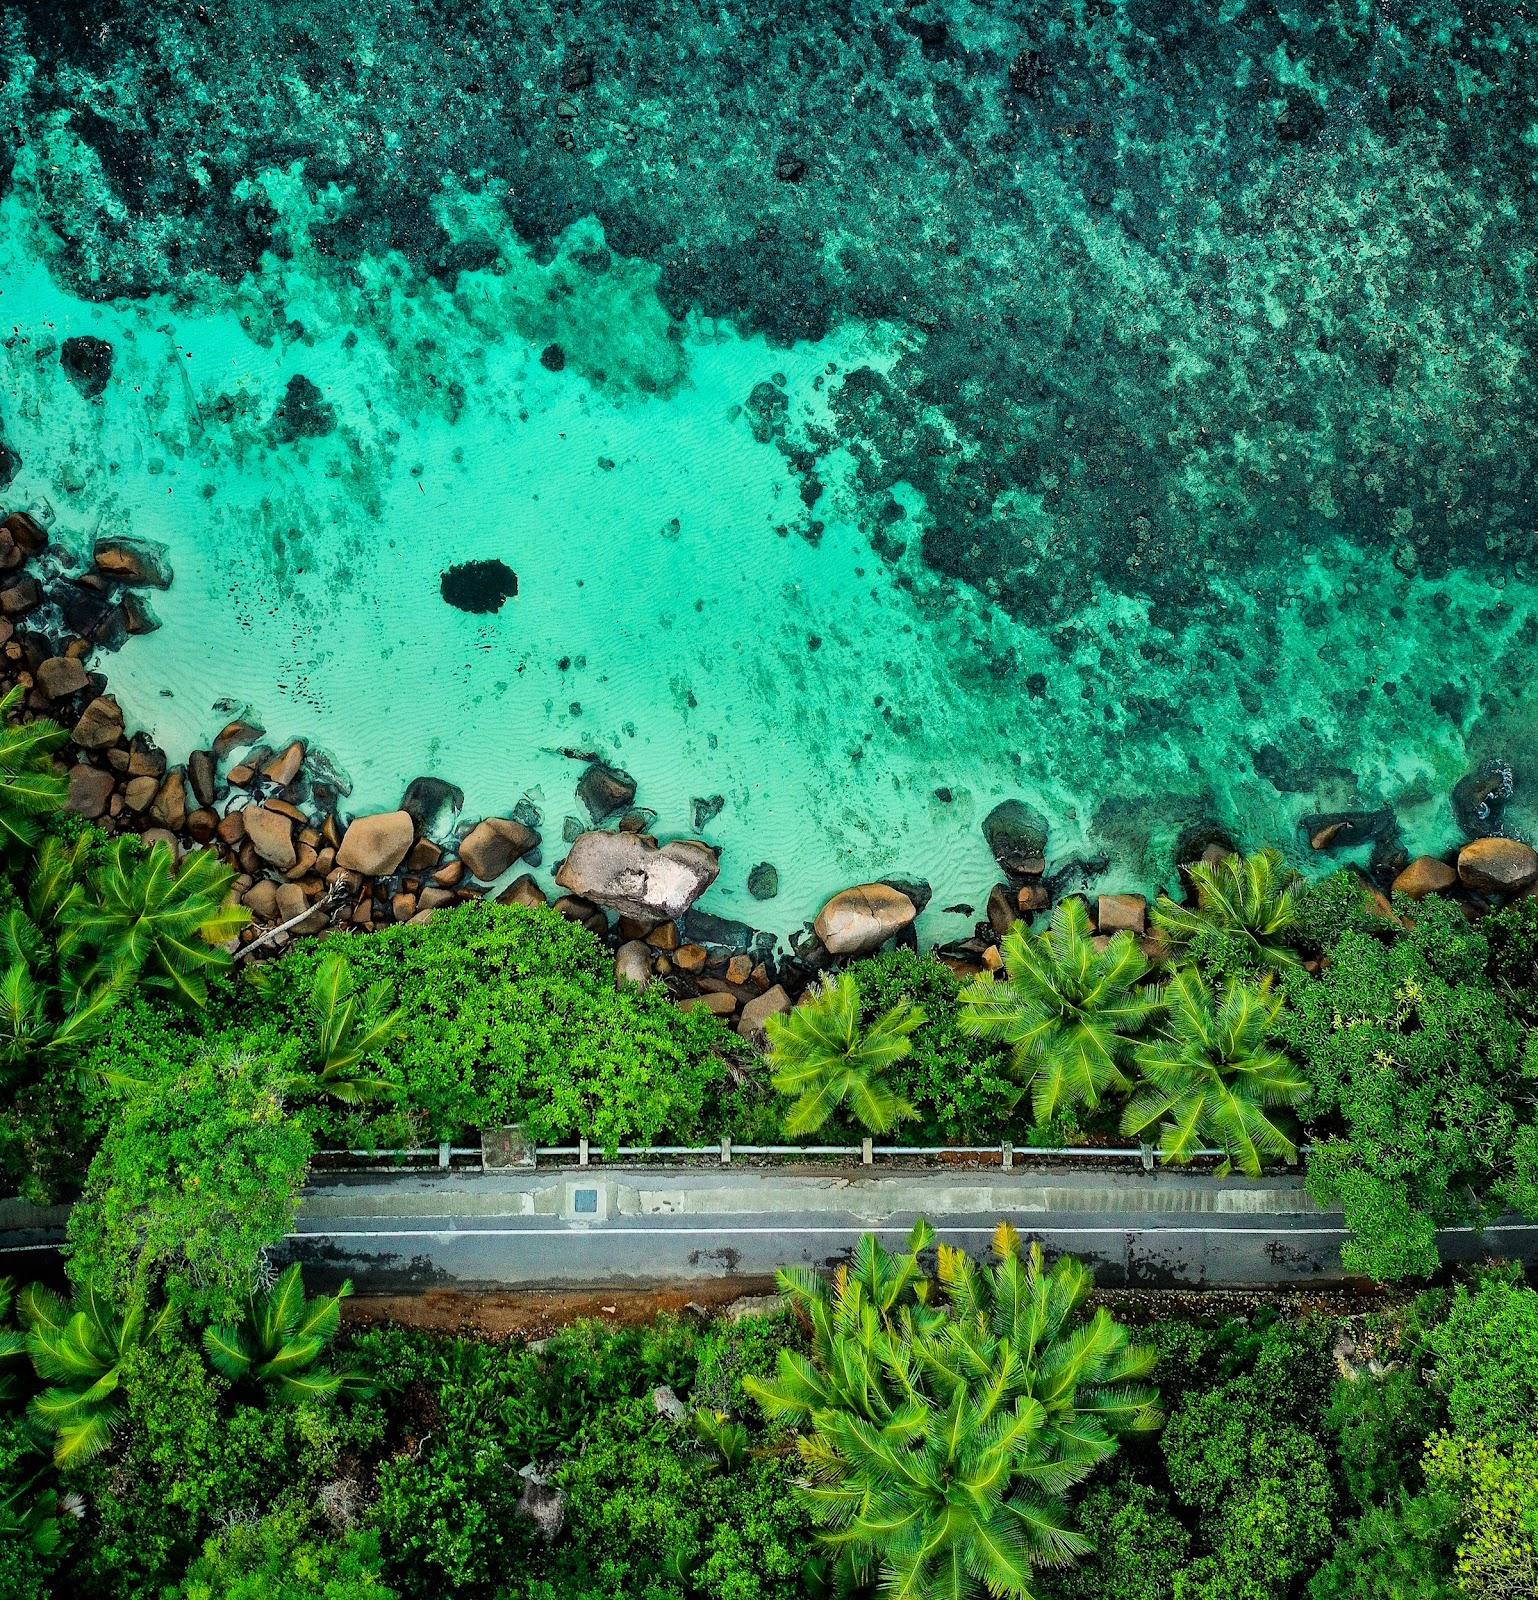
<point>273,815</point>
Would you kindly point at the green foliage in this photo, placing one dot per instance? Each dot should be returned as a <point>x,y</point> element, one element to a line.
<point>824,1058</point>
<point>1485,1359</point>
<point>77,1349</point>
<point>984,1381</point>
<point>197,1176</point>
<point>1211,1078</point>
<point>1243,1455</point>
<point>959,1084</point>
<point>1067,1010</point>
<point>349,1026</point>
<point>1397,1551</point>
<point>1139,1545</point>
<point>1497,1489</point>
<point>1243,919</point>
<point>511,1015</point>
<point>31,785</point>
<point>1512,935</point>
<point>1379,1425</point>
<point>280,1339</point>
<point>158,919</point>
<point>279,1558</point>
<point>1412,1053</point>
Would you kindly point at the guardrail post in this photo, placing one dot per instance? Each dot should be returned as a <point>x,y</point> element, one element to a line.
<point>444,1151</point>
<point>726,1150</point>
<point>1007,1155</point>
<point>1146,1154</point>
<point>582,1150</point>
<point>867,1153</point>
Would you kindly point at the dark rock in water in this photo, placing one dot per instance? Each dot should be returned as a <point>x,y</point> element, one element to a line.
<point>87,363</point>
<point>604,790</point>
<point>527,813</point>
<point>553,358</point>
<point>572,830</point>
<point>764,881</point>
<point>790,169</point>
<point>91,613</point>
<point>1197,837</point>
<point>427,798</point>
<point>203,775</point>
<point>479,586</point>
<point>1480,796</point>
<point>10,465</point>
<point>135,561</point>
<point>960,909</point>
<point>301,413</point>
<point>1017,836</point>
<point>1341,830</point>
<point>945,796</point>
<point>138,615</point>
<point>723,936</point>
<point>1077,873</point>
<point>706,811</point>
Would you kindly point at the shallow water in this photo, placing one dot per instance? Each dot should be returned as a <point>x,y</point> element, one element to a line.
<point>856,592</point>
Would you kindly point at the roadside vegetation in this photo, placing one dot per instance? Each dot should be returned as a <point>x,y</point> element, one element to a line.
<point>181,1420</point>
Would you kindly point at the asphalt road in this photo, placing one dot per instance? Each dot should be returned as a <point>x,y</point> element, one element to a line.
<point>598,1228</point>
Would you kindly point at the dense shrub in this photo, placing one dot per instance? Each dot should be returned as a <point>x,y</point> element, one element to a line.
<point>1485,1359</point>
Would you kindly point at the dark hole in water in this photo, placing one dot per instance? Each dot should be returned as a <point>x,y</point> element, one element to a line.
<point>479,585</point>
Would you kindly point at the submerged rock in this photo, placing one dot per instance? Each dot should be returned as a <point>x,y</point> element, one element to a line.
<point>426,799</point>
<point>858,921</point>
<point>629,874</point>
<point>1480,796</point>
<point>87,363</point>
<point>137,561</point>
<point>764,881</point>
<point>1017,836</point>
<point>604,790</point>
<point>302,413</point>
<point>479,587</point>
<point>706,811</point>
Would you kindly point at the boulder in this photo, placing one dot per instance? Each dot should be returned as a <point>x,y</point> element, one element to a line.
<point>773,1002</point>
<point>89,791</point>
<point>1498,866</point>
<point>138,792</point>
<point>261,899</point>
<point>234,735</point>
<point>858,921</point>
<point>764,881</point>
<point>271,835</point>
<point>604,789</point>
<point>633,964</point>
<point>492,846</point>
<point>100,724</point>
<point>376,845</point>
<point>1122,913</point>
<point>133,561</point>
<point>59,677</point>
<point>1002,913</point>
<point>522,891</point>
<point>170,803</point>
<point>1480,795</point>
<point>286,765</point>
<point>632,875</point>
<point>1017,836</point>
<point>1425,875</point>
<point>203,775</point>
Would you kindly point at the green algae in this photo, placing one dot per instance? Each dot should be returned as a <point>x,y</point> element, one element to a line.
<point>1124,405</point>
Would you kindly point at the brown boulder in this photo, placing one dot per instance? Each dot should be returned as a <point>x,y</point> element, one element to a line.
<point>604,789</point>
<point>632,964</point>
<point>170,804</point>
<point>262,901</point>
<point>203,775</point>
<point>100,724</point>
<point>492,846</point>
<point>61,676</point>
<point>1498,866</point>
<point>234,734</point>
<point>138,792</point>
<point>858,921</point>
<point>634,876</point>
<point>376,845</point>
<point>1425,875</point>
<point>773,1002</point>
<point>522,891</point>
<point>285,766</point>
<point>1122,913</point>
<point>132,561</point>
<point>89,791</point>
<point>271,835</point>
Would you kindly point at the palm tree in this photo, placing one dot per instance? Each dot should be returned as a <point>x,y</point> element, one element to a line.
<point>1248,902</point>
<point>30,785</point>
<point>158,919</point>
<point>349,1027</point>
<point>78,1349</point>
<point>281,1339</point>
<point>1211,1076</point>
<point>13,1344</point>
<point>941,1437</point>
<point>823,1055</point>
<point>1068,1009</point>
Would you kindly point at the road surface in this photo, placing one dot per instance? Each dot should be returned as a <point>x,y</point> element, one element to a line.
<point>593,1228</point>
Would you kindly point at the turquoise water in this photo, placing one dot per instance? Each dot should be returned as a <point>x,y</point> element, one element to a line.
<point>1124,411</point>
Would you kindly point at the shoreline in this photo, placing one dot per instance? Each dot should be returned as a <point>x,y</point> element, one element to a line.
<point>274,815</point>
